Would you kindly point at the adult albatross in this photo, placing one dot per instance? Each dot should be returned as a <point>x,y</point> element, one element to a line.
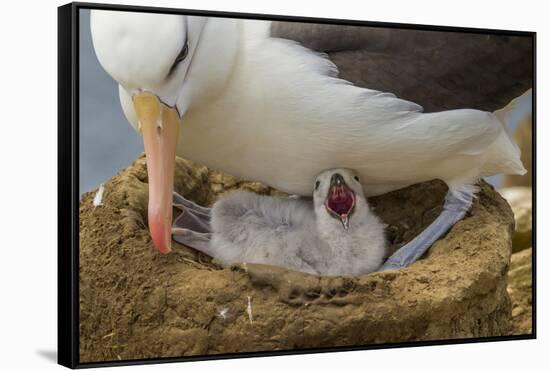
<point>223,93</point>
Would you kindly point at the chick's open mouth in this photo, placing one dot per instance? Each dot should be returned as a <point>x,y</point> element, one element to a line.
<point>340,200</point>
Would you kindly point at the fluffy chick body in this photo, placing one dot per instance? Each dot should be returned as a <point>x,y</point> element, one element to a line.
<point>298,234</point>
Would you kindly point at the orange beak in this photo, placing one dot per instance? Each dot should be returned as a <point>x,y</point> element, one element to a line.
<point>159,126</point>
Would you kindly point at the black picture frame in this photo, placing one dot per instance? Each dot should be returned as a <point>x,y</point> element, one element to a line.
<point>68,182</point>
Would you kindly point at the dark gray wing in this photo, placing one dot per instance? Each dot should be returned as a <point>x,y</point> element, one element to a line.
<point>439,70</point>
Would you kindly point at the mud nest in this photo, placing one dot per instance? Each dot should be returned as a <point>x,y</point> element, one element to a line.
<point>136,303</point>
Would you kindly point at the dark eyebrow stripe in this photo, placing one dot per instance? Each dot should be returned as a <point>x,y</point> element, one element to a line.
<point>184,50</point>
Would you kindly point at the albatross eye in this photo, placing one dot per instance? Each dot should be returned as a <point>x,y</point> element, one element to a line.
<point>356,178</point>
<point>317,184</point>
<point>181,56</point>
<point>183,53</point>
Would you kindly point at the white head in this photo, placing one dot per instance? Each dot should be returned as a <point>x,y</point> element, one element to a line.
<point>338,197</point>
<point>165,65</point>
<point>179,59</point>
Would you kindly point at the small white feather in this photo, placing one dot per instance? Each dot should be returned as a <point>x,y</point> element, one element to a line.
<point>98,199</point>
<point>223,313</point>
<point>249,309</point>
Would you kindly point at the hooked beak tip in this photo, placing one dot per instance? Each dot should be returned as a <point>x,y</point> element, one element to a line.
<point>160,232</point>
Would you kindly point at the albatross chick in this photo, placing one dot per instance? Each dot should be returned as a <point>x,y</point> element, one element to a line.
<point>335,234</point>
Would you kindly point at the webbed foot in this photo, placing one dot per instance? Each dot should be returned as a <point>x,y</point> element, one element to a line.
<point>454,210</point>
<point>192,227</point>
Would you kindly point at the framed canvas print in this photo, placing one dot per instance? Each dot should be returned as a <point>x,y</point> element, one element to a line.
<point>236,185</point>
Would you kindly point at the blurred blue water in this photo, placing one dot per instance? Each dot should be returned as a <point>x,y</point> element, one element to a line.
<point>107,141</point>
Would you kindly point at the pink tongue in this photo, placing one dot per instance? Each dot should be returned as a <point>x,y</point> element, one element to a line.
<point>340,200</point>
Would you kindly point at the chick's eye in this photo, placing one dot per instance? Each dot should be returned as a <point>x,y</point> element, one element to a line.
<point>356,178</point>
<point>317,184</point>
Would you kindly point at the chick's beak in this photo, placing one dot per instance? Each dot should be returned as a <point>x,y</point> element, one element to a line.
<point>340,201</point>
<point>159,126</point>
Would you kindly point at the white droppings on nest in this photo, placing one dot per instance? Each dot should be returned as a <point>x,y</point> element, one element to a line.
<point>249,309</point>
<point>223,313</point>
<point>98,199</point>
